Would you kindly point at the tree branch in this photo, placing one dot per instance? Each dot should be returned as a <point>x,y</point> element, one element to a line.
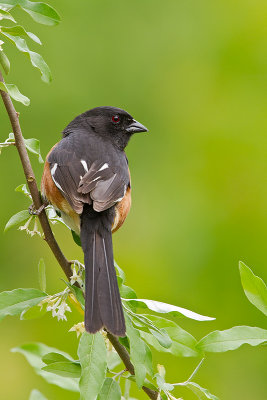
<point>31,181</point>
<point>124,355</point>
<point>48,234</point>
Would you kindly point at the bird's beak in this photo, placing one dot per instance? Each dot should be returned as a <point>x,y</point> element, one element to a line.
<point>135,126</point>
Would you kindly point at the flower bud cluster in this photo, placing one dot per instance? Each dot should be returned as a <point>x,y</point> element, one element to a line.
<point>78,328</point>
<point>35,230</point>
<point>77,272</point>
<point>57,304</point>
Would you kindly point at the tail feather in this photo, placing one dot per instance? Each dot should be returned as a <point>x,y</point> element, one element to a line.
<point>103,306</point>
<point>92,317</point>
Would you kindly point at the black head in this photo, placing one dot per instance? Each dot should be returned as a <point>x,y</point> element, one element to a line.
<point>112,123</point>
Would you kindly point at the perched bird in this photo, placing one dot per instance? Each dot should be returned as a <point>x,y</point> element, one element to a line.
<point>86,177</point>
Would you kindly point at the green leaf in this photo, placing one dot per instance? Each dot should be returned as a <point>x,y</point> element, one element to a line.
<point>6,15</point>
<point>162,337</point>
<point>147,383</point>
<point>14,92</point>
<point>10,139</point>
<point>93,358</point>
<point>4,61</point>
<point>231,339</point>
<point>140,353</point>
<point>161,370</point>
<point>53,216</point>
<point>40,12</point>
<point>78,293</point>
<point>159,307</point>
<point>64,368</point>
<point>113,359</point>
<point>120,272</point>
<point>145,324</point>
<point>18,30</point>
<point>127,387</point>
<point>17,219</point>
<point>165,397</point>
<point>110,390</point>
<point>23,189</point>
<point>36,395</point>
<point>148,359</point>
<point>35,58</point>
<point>4,6</point>
<point>183,344</point>
<point>32,313</point>
<point>125,342</point>
<point>33,145</point>
<point>162,384</point>
<point>126,292</point>
<point>53,357</point>
<point>41,274</point>
<point>254,287</point>
<point>15,301</point>
<point>200,392</point>
<point>34,352</point>
<point>76,238</point>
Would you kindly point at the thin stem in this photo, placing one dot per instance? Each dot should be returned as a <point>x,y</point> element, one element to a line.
<point>120,373</point>
<point>48,234</point>
<point>191,376</point>
<point>195,370</point>
<point>7,144</point>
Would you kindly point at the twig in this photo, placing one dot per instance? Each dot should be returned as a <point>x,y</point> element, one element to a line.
<point>124,355</point>
<point>195,370</point>
<point>119,374</point>
<point>48,234</point>
<point>7,144</point>
<point>191,376</point>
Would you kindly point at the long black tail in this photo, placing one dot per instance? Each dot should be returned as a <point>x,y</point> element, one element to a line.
<point>103,306</point>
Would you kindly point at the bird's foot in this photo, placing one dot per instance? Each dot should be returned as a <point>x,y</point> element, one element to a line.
<point>32,210</point>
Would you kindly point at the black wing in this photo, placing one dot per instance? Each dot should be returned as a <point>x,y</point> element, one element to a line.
<point>89,170</point>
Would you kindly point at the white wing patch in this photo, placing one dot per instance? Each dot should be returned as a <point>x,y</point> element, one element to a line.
<point>58,185</point>
<point>85,166</point>
<point>125,187</point>
<point>53,170</point>
<point>104,166</point>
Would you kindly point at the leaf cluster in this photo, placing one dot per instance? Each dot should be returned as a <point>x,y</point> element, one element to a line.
<point>98,371</point>
<point>17,35</point>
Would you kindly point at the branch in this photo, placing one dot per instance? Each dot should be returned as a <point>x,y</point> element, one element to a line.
<point>124,355</point>
<point>48,234</point>
<point>31,181</point>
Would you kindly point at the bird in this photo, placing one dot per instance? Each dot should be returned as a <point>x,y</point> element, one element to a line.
<point>86,177</point>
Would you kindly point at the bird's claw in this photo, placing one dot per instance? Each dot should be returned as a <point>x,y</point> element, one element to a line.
<point>32,210</point>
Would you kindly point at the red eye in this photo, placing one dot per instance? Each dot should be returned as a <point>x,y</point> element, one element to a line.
<point>115,119</point>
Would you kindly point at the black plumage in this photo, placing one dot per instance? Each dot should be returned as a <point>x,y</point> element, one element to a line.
<point>90,169</point>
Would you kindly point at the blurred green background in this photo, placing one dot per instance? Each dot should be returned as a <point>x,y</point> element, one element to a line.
<point>195,73</point>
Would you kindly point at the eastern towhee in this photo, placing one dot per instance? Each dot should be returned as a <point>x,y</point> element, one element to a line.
<point>86,177</point>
